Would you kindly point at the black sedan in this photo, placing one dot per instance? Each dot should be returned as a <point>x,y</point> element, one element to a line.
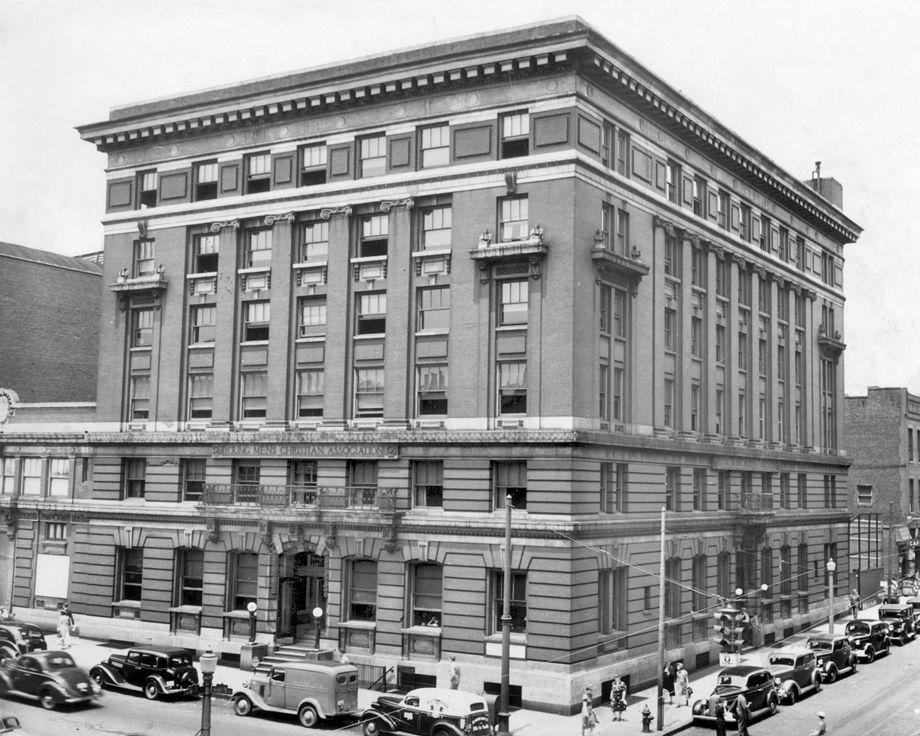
<point>428,711</point>
<point>51,678</point>
<point>755,682</point>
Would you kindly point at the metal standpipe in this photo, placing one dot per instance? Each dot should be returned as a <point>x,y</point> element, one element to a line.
<point>208,663</point>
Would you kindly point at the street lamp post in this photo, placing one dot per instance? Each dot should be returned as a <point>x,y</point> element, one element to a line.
<point>505,686</point>
<point>831,567</point>
<point>208,663</point>
<point>252,607</point>
<point>317,616</point>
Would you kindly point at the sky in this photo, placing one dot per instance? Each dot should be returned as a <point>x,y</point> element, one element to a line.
<point>800,80</point>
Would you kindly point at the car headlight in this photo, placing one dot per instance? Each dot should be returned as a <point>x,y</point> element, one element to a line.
<point>777,682</point>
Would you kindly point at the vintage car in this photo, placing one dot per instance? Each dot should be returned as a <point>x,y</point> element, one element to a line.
<point>17,637</point>
<point>914,603</point>
<point>313,691</point>
<point>900,617</point>
<point>428,711</point>
<point>755,682</point>
<point>51,678</point>
<point>868,637</point>
<point>834,654</point>
<point>152,671</point>
<point>795,672</point>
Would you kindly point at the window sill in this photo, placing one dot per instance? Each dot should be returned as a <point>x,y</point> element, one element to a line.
<point>433,331</point>
<point>430,252</point>
<point>358,625</point>
<point>311,338</point>
<point>368,259</point>
<point>126,604</point>
<point>308,264</point>
<point>253,342</point>
<point>370,336</point>
<point>201,346</point>
<point>432,632</point>
<point>254,269</point>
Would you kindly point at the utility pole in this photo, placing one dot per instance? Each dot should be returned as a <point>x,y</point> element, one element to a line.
<point>661,592</point>
<point>889,566</point>
<point>503,715</point>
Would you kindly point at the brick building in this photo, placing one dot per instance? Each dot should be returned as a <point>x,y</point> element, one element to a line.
<point>350,310</point>
<point>883,443</point>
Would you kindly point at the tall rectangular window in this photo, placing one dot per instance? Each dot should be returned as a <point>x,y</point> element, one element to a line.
<point>670,329</point>
<point>672,489</point>
<point>253,394</point>
<point>509,479</point>
<point>369,392</point>
<point>742,351</point>
<point>724,201</point>
<point>147,189</point>
<point>802,490</point>
<point>613,481</point>
<point>668,401</point>
<point>518,601</point>
<point>141,328</point>
<point>255,321</point>
<point>513,302</point>
<point>311,316</point>
<point>312,164</point>
<point>612,600</point>
<point>362,591</point>
<point>133,477</point>
<point>745,222</point>
<point>720,344</point>
<point>622,152</point>
<point>144,258</point>
<point>722,277</point>
<point>436,228</point>
<point>425,586</point>
<point>374,236</point>
<point>672,257</point>
<point>315,245</point>
<point>200,395</point>
<point>433,308</point>
<point>695,392</point>
<point>258,172</point>
<point>434,145</point>
<point>698,267</point>
<point>203,319</point>
<point>699,196</point>
<point>139,396</point>
<point>242,586</point>
<point>301,478</point>
<point>432,389</point>
<point>33,469</point>
<point>428,483</point>
<point>190,576</point>
<point>205,177</point>
<point>372,155</point>
<point>699,489</point>
<point>515,134</point>
<point>246,480</point>
<point>310,390</point>
<point>192,476</point>
<point>206,252</point>
<point>742,414</point>
<point>723,480</point>
<point>372,313</point>
<point>672,181</point>
<point>512,387</point>
<point>720,410</point>
<point>59,474</point>
<point>258,249</point>
<point>130,573</point>
<point>513,219</point>
<point>696,337</point>
<point>785,495</point>
<point>603,391</point>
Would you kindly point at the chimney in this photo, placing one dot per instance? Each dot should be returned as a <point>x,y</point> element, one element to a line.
<point>827,187</point>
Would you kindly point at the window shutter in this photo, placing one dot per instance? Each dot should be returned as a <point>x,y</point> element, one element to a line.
<point>473,141</point>
<point>340,161</point>
<point>755,228</point>
<point>774,237</point>
<point>174,186</point>
<point>713,201</point>
<point>688,190</point>
<point>283,170</point>
<point>661,175</point>
<point>230,178</point>
<point>735,217</point>
<point>400,150</point>
<point>589,135</point>
<point>550,130</point>
<point>121,195</point>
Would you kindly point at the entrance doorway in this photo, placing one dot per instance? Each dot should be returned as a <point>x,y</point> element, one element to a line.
<point>302,590</point>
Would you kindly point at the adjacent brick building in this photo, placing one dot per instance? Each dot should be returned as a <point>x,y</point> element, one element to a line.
<point>350,310</point>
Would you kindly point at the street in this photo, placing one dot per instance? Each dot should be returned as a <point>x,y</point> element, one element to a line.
<point>881,699</point>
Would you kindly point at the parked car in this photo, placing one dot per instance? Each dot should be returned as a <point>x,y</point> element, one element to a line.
<point>314,691</point>
<point>152,671</point>
<point>834,654</point>
<point>428,711</point>
<point>755,682</point>
<point>795,673</point>
<point>51,678</point>
<point>18,638</point>
<point>868,637</point>
<point>914,603</point>
<point>900,617</point>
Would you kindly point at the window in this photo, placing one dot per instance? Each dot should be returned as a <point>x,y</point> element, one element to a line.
<point>515,131</point>
<point>512,219</point>
<point>830,491</point>
<point>147,189</point>
<point>514,301</point>
<point>206,250</point>
<point>246,480</point>
<point>603,391</point>
<point>668,401</point>
<point>253,394</point>
<point>190,576</point>
<point>800,253</point>
<point>784,244</point>
<point>203,320</point>
<point>133,477</point>
<point>54,531</point>
<point>512,387</point>
<point>315,246</point>
<point>32,474</point>
<point>141,328</point>
<point>362,479</point>
<point>621,233</point>
<point>699,196</point>
<point>139,398</point>
<point>745,222</point>
<point>428,482</point>
<point>255,321</point>
<point>619,313</point>
<point>742,351</point>
<point>762,357</point>
<point>425,587</point>
<point>696,336</point>
<point>362,591</point>
<point>59,472</point>
<point>9,476</point>
<point>766,568</point>
<point>670,329</point>
<point>672,257</point>
<point>243,580</point>
<point>310,389</point>
<point>614,477</point>
<point>200,395</point>
<point>722,481</point>
<point>434,145</point>
<point>312,164</point>
<point>192,474</point>
<point>518,601</point>
<point>258,172</point>
<point>372,313</point>
<point>258,249</point>
<point>720,344</point>
<point>436,224</point>
<point>724,208</point>
<point>698,267</point>
<point>744,288</point>
<point>742,414</point>
<point>766,234</point>
<point>375,233</point>
<point>785,497</point>
<point>130,573</point>
<point>802,488</point>
<point>622,152</point>
<point>144,258</point>
<point>672,489</point>
<point>311,316</point>
<point>722,277</point>
<point>372,155</point>
<point>699,489</point>
<point>720,410</point>
<point>672,181</point>
<point>205,177</point>
<point>434,308</point>
<point>510,479</point>
<point>695,391</point>
<point>301,477</point>
<point>803,567</point>
<point>612,600</point>
<point>369,392</point>
<point>672,587</point>
<point>700,585</point>
<point>432,389</point>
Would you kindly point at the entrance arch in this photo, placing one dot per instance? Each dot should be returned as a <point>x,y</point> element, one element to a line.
<point>301,589</point>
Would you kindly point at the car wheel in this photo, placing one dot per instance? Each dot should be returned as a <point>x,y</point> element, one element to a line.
<point>151,690</point>
<point>98,677</point>
<point>372,727</point>
<point>772,704</point>
<point>831,674</point>
<point>242,706</point>
<point>870,655</point>
<point>791,696</point>
<point>308,716</point>
<point>47,700</point>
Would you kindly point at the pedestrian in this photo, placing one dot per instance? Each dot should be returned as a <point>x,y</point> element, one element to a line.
<point>717,710</point>
<point>667,681</point>
<point>854,603</point>
<point>821,728</point>
<point>454,672</point>
<point>683,684</point>
<point>742,714</point>
<point>64,625</point>
<point>617,698</point>
<point>588,716</point>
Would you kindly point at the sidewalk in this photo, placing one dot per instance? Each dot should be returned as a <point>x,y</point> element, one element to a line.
<point>88,652</point>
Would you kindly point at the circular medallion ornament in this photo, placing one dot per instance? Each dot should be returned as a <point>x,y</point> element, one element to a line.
<point>8,401</point>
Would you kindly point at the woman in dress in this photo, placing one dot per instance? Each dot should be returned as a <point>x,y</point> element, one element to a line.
<point>618,698</point>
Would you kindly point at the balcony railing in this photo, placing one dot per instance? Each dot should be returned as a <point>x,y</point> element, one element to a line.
<point>327,497</point>
<point>750,502</point>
